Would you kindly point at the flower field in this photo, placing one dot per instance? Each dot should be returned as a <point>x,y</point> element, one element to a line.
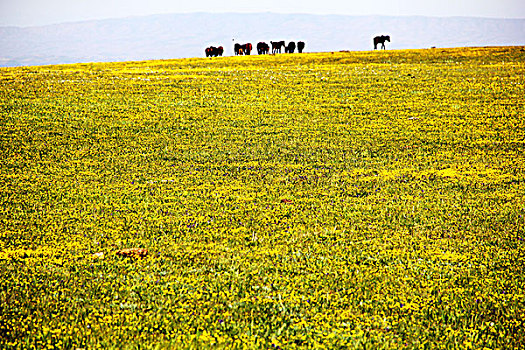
<point>368,200</point>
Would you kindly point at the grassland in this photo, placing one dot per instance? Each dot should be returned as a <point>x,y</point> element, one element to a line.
<point>350,199</point>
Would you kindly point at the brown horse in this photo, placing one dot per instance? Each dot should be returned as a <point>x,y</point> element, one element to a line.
<point>247,48</point>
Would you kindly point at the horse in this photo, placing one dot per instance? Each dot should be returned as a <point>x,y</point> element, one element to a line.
<point>237,49</point>
<point>290,48</point>
<point>247,48</point>
<point>262,48</point>
<point>211,51</point>
<point>381,40</point>
<point>277,45</point>
<point>300,46</point>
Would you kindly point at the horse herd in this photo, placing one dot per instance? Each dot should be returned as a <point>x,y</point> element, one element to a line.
<point>213,51</point>
<point>262,48</point>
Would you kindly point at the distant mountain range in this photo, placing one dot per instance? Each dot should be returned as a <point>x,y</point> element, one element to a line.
<point>187,35</point>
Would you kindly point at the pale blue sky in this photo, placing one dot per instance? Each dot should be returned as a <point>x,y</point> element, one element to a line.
<point>39,12</point>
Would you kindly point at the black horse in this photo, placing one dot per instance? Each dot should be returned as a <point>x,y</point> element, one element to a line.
<point>237,49</point>
<point>211,51</point>
<point>290,48</point>
<point>277,45</point>
<point>262,48</point>
<point>381,40</point>
<point>300,46</point>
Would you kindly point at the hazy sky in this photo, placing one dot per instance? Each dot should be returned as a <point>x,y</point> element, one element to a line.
<point>38,12</point>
